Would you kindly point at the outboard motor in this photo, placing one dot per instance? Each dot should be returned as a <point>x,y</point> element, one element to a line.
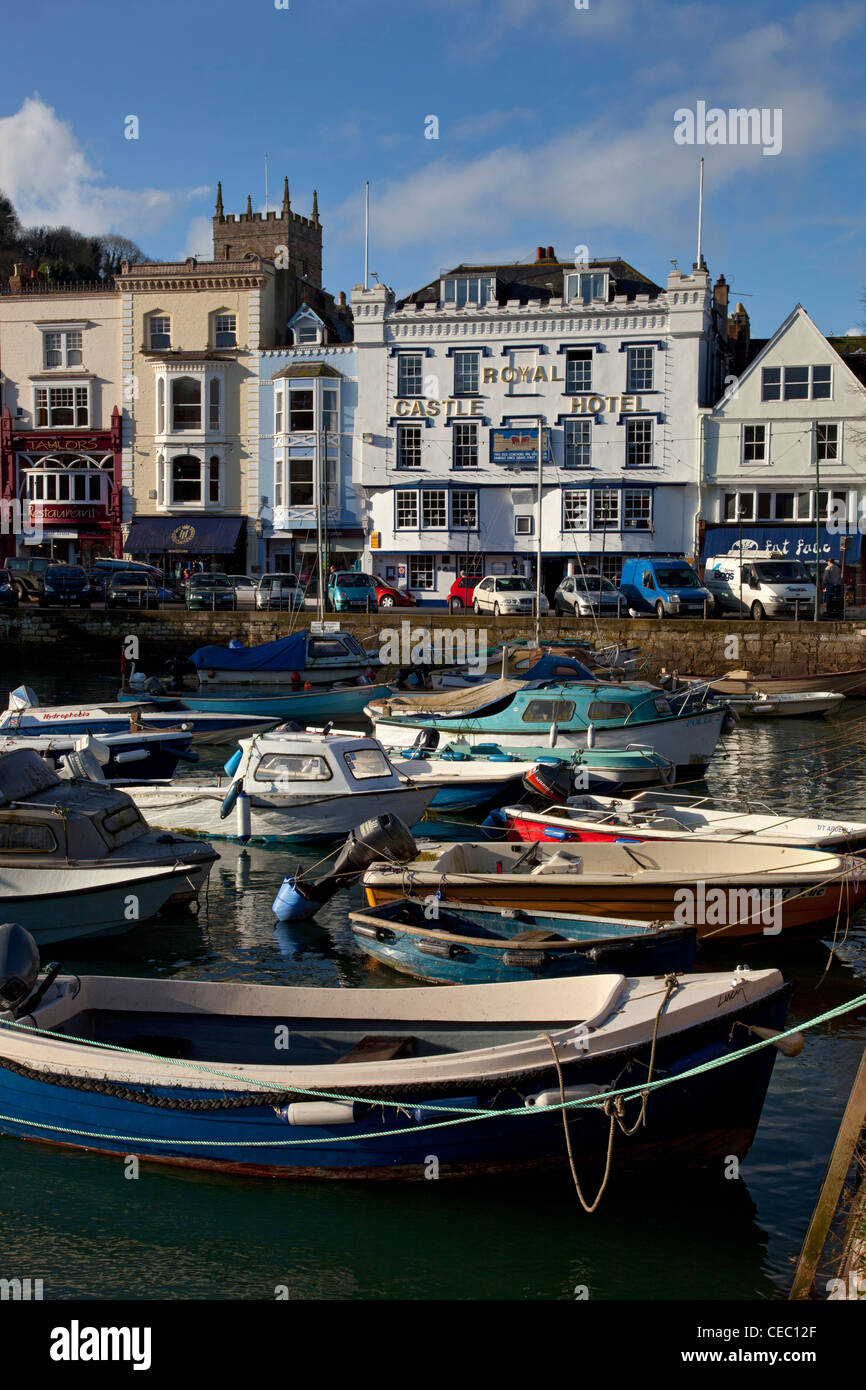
<point>154,686</point>
<point>550,781</point>
<point>385,837</point>
<point>19,965</point>
<point>426,740</point>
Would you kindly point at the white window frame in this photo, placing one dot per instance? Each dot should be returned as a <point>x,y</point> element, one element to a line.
<point>404,359</point>
<point>421,571</point>
<point>151,320</point>
<point>467,368</point>
<point>409,445</point>
<point>645,354</point>
<point>214,405</point>
<point>465,444</point>
<point>207,473</point>
<point>468,291</point>
<point>764,461</point>
<point>64,332</point>
<point>612,499</point>
<point>629,494</point>
<point>575,509</point>
<point>577,357</point>
<point>577,425</point>
<point>175,380</point>
<point>631,424</point>
<point>224,316</point>
<point>580,286</point>
<point>50,388</point>
<point>407,498</point>
<point>438,507</point>
<point>828,425</point>
<point>456,524</point>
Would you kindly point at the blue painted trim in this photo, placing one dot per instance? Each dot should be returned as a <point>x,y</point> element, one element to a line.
<point>395,420</point>
<point>541,348</point>
<point>574,415</point>
<point>448,488</point>
<point>570,347</point>
<point>413,351</point>
<point>484,351</point>
<point>464,419</point>
<point>656,415</point>
<point>660,344</point>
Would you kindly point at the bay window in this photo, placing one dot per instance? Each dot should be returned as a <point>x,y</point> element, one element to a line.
<point>62,405</point>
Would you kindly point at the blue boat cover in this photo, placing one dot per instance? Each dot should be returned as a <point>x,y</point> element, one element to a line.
<point>549,666</point>
<point>288,654</point>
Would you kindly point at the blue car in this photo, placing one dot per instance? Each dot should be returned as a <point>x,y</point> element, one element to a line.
<point>352,592</point>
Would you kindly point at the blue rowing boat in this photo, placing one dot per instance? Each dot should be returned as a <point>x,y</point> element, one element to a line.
<point>381,1083</point>
<point>462,944</point>
<point>297,707</point>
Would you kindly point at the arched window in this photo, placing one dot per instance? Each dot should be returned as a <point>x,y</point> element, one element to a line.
<point>185,479</point>
<point>214,404</point>
<point>186,404</point>
<point>160,406</point>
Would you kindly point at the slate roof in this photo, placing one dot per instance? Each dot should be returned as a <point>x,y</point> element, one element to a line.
<point>540,280</point>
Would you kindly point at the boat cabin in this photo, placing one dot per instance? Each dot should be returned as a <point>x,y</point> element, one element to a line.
<point>279,762</point>
<point>43,815</point>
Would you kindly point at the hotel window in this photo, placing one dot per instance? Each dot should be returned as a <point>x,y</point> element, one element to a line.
<point>638,443</point>
<point>62,405</point>
<point>301,414</point>
<point>422,572</point>
<point>575,509</point>
<point>465,373</point>
<point>434,509</point>
<point>578,370</point>
<point>213,420</point>
<point>639,374</point>
<point>466,445</point>
<point>278,412</point>
<point>605,509</point>
<point>637,509</point>
<point>186,403</point>
<point>804,383</point>
<point>63,349</point>
<point>470,289</point>
<point>159,331</point>
<point>330,411</point>
<point>409,374</point>
<point>754,444</point>
<point>226,331</point>
<point>771,384</point>
<point>826,443</point>
<point>407,510</point>
<point>578,443</point>
<point>409,446</point>
<point>586,286</point>
<point>464,511</point>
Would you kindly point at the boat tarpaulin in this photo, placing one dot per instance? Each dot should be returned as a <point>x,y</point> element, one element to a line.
<point>165,534</point>
<point>287,654</point>
<point>447,702</point>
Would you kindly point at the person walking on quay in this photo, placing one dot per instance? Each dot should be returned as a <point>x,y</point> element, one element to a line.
<point>832,581</point>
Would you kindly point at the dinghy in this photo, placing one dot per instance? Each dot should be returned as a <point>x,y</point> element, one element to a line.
<point>468,945</point>
<point>745,682</point>
<point>24,715</point>
<point>729,892</point>
<point>660,816</point>
<point>286,704</point>
<point>77,860</point>
<point>290,786</point>
<point>186,1072</point>
<point>808,705</point>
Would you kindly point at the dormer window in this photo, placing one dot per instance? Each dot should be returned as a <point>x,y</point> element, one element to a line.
<point>226,331</point>
<point>475,290</point>
<point>307,328</point>
<point>586,286</point>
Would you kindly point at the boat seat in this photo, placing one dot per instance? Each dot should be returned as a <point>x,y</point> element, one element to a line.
<point>379,1049</point>
<point>538,934</point>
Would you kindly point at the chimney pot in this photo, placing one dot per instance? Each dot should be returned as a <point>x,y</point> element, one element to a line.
<point>550,254</point>
<point>539,253</point>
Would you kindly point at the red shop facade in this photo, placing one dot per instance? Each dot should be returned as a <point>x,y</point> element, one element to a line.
<point>61,492</point>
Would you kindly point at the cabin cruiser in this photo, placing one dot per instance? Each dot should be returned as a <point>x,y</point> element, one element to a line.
<point>148,756</point>
<point>290,785</point>
<point>77,859</point>
<point>303,657</point>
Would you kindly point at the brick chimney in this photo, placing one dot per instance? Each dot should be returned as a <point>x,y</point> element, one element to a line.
<point>739,330</point>
<point>720,298</point>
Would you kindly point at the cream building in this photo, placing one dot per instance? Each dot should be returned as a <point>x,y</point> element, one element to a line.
<point>190,337</point>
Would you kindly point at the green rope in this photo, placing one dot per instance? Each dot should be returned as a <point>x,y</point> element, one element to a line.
<point>598,1103</point>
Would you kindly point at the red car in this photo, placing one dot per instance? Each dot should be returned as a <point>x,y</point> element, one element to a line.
<point>389,597</point>
<point>461,593</point>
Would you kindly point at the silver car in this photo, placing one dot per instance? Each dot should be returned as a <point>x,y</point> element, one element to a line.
<point>580,596</point>
<point>506,594</point>
<point>279,591</point>
<point>245,590</point>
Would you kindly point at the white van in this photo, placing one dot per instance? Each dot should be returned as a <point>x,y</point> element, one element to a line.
<point>760,583</point>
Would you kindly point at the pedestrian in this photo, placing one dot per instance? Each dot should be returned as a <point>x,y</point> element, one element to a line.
<point>832,580</point>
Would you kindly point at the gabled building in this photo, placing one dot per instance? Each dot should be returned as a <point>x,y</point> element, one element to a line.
<point>785,448</point>
<point>454,379</point>
<point>61,479</point>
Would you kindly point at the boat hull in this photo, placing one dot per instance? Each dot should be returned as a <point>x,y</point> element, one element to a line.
<point>53,911</point>
<point>287,706</point>
<point>699,1121</point>
<point>851,683</point>
<point>528,826</point>
<point>203,728</point>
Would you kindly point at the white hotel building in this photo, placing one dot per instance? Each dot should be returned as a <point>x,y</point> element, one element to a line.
<point>452,382</point>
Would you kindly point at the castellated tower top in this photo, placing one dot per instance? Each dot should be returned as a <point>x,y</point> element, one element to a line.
<point>264,234</point>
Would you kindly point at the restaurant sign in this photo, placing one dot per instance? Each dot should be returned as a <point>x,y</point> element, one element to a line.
<point>47,512</point>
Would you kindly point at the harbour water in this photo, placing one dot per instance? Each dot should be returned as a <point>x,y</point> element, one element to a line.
<point>91,1232</point>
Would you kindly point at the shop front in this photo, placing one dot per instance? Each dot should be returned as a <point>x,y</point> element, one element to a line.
<point>213,544</point>
<point>794,543</point>
<point>61,492</point>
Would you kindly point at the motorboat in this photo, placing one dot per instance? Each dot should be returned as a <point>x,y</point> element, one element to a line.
<point>185,1072</point>
<point>147,756</point>
<point>729,892</point>
<point>305,657</point>
<point>804,705</point>
<point>463,944</point>
<point>77,859</point>
<point>344,699</point>
<point>574,715</point>
<point>672,816</point>
<point>26,716</point>
<point>290,786</point>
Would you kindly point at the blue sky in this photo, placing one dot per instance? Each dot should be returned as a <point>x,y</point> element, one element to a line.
<point>556,126</point>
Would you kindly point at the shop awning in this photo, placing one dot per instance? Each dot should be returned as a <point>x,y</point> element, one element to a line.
<point>794,542</point>
<point>167,535</point>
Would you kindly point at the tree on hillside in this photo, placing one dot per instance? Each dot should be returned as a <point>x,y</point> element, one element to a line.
<point>60,254</point>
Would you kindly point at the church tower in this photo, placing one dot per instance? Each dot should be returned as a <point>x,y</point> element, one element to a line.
<point>291,241</point>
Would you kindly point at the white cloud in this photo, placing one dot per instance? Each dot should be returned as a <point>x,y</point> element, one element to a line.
<point>45,172</point>
<point>199,240</point>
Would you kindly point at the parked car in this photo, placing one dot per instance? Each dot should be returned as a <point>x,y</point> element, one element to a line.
<point>28,575</point>
<point>760,583</point>
<point>8,592</point>
<point>65,585</point>
<point>101,570</point>
<point>666,587</point>
<point>246,590</point>
<point>131,589</point>
<point>387,596</point>
<point>582,595</point>
<point>506,594</point>
<point>462,593</point>
<point>279,591</point>
<point>349,591</point>
<point>210,591</point>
